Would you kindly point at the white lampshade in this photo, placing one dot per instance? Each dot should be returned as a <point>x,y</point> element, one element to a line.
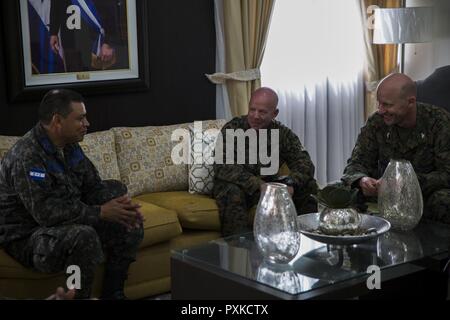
<point>403,25</point>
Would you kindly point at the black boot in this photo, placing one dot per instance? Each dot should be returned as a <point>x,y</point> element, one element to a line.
<point>113,282</point>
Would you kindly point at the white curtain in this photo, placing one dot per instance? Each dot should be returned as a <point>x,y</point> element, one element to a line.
<point>314,60</point>
<point>222,103</point>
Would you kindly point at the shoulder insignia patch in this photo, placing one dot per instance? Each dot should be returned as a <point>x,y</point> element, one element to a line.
<point>37,174</point>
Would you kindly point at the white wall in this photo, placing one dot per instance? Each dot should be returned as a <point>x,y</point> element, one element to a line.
<point>422,59</point>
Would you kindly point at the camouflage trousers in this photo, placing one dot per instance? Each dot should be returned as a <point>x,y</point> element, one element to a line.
<point>437,206</point>
<point>53,249</point>
<point>234,205</point>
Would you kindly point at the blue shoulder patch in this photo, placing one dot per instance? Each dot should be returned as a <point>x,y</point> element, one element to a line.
<point>37,174</point>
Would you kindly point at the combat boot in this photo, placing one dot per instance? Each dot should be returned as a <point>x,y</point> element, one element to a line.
<point>113,282</point>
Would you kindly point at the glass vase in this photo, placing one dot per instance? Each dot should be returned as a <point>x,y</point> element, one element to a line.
<point>275,225</point>
<point>399,196</point>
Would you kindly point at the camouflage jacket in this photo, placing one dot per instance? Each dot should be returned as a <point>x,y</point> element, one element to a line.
<point>38,187</point>
<point>248,176</point>
<point>427,147</point>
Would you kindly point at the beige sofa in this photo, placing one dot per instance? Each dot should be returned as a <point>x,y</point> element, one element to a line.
<point>174,217</point>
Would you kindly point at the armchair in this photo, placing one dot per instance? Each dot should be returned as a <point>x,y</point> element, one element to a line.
<point>435,89</point>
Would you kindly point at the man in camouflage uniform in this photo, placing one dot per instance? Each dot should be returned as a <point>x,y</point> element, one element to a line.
<point>55,211</point>
<point>405,129</point>
<point>237,187</point>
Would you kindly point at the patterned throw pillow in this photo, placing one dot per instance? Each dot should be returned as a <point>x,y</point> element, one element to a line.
<point>6,142</point>
<point>99,147</point>
<point>144,156</point>
<point>203,140</point>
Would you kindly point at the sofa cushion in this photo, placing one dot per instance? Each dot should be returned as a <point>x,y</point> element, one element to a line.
<point>10,268</point>
<point>194,211</point>
<point>160,224</point>
<point>191,238</point>
<point>99,147</point>
<point>6,142</point>
<point>145,162</point>
<point>203,136</point>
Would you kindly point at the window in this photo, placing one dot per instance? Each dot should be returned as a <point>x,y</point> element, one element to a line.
<point>314,59</point>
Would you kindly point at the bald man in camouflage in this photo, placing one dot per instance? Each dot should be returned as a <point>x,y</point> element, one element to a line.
<point>237,186</point>
<point>405,129</point>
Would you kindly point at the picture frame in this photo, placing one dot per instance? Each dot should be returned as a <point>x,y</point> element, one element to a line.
<point>87,57</point>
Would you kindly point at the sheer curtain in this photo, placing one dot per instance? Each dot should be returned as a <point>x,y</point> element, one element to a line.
<point>314,59</point>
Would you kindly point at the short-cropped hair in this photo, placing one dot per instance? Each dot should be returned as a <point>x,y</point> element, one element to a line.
<point>57,101</point>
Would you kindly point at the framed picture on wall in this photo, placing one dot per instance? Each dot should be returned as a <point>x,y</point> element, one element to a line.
<point>92,46</point>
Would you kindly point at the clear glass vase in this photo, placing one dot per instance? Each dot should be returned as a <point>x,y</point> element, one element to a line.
<point>275,225</point>
<point>399,196</point>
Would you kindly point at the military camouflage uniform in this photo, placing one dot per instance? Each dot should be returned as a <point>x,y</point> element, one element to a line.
<point>237,186</point>
<point>50,210</point>
<point>427,147</point>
